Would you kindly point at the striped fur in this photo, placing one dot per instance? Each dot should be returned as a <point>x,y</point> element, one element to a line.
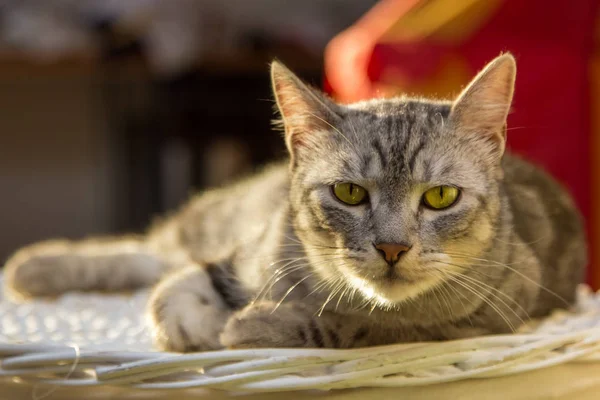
<point>275,260</point>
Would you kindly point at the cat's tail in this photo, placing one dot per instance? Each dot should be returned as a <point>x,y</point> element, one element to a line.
<point>51,268</point>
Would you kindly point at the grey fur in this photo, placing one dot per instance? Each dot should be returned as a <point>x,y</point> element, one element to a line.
<point>277,261</point>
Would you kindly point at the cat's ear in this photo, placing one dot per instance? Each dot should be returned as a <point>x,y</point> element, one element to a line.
<point>306,114</point>
<point>481,109</point>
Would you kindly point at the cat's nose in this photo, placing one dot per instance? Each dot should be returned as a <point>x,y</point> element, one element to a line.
<point>391,252</point>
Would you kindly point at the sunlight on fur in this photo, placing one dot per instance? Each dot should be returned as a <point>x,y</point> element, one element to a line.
<point>286,258</point>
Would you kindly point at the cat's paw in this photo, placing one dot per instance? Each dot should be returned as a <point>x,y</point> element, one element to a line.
<point>186,315</point>
<point>185,323</point>
<point>38,271</point>
<point>263,324</point>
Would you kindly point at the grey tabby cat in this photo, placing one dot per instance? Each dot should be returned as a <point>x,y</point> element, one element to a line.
<point>395,220</point>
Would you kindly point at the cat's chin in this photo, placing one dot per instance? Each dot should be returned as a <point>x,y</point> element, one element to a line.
<point>394,290</point>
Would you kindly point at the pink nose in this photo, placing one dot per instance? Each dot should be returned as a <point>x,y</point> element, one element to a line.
<point>391,252</point>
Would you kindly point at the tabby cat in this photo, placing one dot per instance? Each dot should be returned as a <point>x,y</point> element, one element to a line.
<point>393,220</point>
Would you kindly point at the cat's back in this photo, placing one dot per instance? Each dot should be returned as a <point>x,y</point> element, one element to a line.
<point>538,201</point>
<point>546,219</point>
<point>214,223</point>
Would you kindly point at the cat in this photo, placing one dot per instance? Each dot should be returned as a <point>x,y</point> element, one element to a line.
<point>393,220</point>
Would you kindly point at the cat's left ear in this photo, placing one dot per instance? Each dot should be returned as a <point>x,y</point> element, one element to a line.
<point>481,109</point>
<point>307,114</point>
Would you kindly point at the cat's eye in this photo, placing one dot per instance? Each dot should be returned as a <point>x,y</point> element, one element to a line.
<point>441,197</point>
<point>350,193</point>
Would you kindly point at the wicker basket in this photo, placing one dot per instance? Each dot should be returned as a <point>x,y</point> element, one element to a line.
<point>90,340</point>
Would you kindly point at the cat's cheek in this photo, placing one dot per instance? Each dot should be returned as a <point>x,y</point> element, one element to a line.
<point>483,231</point>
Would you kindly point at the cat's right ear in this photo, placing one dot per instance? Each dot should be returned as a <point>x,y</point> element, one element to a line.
<point>481,109</point>
<point>306,115</point>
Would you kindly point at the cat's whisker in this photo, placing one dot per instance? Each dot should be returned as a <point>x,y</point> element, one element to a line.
<point>274,263</point>
<point>295,229</point>
<point>290,290</point>
<point>334,292</point>
<point>325,283</point>
<point>350,300</point>
<point>276,277</point>
<point>434,293</point>
<point>446,300</point>
<point>492,301</point>
<point>285,271</point>
<point>444,291</point>
<point>481,283</point>
<point>295,240</point>
<point>482,298</point>
<point>493,292</point>
<point>312,244</point>
<point>523,243</point>
<point>278,270</point>
<point>337,304</point>
<point>490,290</point>
<point>465,255</point>
<point>499,264</point>
<point>459,295</point>
<point>335,129</point>
<point>373,307</point>
<point>318,288</point>
<point>292,268</point>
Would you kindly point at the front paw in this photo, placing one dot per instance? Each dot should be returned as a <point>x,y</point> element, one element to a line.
<point>186,313</point>
<point>185,322</point>
<point>264,324</point>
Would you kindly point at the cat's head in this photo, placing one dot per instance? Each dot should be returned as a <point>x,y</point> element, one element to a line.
<point>391,196</point>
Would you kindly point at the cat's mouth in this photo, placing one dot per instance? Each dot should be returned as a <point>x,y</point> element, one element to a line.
<point>393,286</point>
<point>392,277</point>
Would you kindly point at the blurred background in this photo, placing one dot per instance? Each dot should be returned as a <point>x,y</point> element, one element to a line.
<point>113,111</point>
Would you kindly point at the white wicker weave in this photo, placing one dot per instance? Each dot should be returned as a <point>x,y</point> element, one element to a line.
<point>85,339</point>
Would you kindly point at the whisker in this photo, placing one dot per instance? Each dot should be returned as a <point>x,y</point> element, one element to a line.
<point>308,258</point>
<point>277,276</point>
<point>434,292</point>
<point>290,290</point>
<point>273,263</point>
<point>373,307</point>
<point>490,290</point>
<point>459,295</point>
<point>285,271</point>
<point>318,288</point>
<point>312,244</point>
<point>523,243</point>
<point>464,255</point>
<point>341,296</point>
<point>334,128</point>
<point>335,291</point>
<point>481,283</point>
<point>483,298</point>
<point>496,263</point>
<point>446,300</point>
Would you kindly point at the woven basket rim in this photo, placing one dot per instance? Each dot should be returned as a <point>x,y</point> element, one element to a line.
<point>572,336</point>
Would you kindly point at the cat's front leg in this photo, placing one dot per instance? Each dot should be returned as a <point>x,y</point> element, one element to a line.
<point>186,312</point>
<point>267,324</point>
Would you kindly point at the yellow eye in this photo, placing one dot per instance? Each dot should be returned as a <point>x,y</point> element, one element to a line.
<point>440,197</point>
<point>350,193</point>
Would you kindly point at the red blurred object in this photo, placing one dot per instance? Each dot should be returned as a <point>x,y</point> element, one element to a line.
<point>553,43</point>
